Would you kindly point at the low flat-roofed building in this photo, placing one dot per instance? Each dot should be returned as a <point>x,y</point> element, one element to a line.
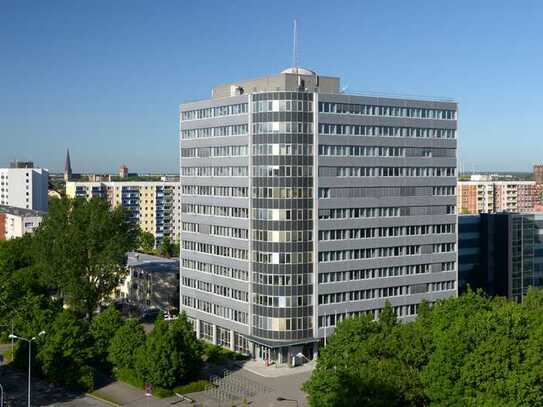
<point>151,282</point>
<point>15,222</point>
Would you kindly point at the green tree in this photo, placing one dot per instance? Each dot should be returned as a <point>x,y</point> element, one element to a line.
<point>80,248</point>
<point>387,316</point>
<point>102,329</point>
<point>471,350</point>
<point>172,354</point>
<point>359,366</point>
<point>65,352</point>
<point>33,314</point>
<point>167,247</point>
<point>18,276</point>
<point>126,342</point>
<point>146,241</point>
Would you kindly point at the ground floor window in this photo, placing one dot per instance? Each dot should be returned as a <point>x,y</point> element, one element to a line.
<point>223,337</point>
<point>241,344</point>
<point>206,331</point>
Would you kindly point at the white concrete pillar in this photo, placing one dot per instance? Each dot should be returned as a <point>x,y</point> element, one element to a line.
<point>232,337</point>
<point>315,350</point>
<point>197,327</point>
<point>214,330</point>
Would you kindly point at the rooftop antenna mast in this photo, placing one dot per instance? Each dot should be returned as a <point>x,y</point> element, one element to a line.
<point>294,56</point>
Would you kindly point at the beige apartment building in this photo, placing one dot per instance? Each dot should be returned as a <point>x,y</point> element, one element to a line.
<point>497,196</point>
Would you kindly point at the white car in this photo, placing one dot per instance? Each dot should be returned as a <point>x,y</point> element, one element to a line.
<point>169,317</point>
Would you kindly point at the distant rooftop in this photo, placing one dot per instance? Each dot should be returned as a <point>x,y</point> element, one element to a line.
<point>136,259</point>
<point>13,210</point>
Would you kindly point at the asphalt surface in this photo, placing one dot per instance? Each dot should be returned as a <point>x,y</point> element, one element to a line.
<point>15,384</point>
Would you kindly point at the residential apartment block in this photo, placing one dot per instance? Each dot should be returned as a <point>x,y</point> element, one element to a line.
<point>154,205</point>
<point>501,253</point>
<point>16,222</point>
<point>24,188</point>
<point>303,205</point>
<point>498,196</point>
<point>538,174</point>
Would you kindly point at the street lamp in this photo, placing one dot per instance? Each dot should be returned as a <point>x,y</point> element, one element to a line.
<point>284,399</point>
<point>29,341</point>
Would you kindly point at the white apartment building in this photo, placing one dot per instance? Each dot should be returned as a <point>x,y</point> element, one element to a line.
<point>24,188</point>
<point>16,222</point>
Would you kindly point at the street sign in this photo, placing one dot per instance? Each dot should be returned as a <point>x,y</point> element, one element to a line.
<point>148,389</point>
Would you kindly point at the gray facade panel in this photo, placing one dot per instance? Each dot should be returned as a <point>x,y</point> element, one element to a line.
<point>385,262</point>
<point>387,101</point>
<point>388,141</point>
<point>202,104</point>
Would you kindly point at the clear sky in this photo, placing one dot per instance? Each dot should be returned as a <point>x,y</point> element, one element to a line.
<point>105,77</point>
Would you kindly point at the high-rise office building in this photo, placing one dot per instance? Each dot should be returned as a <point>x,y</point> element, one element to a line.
<point>24,188</point>
<point>154,205</point>
<point>303,205</point>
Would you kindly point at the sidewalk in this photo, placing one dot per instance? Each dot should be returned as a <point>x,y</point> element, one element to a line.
<point>259,368</point>
<point>125,395</point>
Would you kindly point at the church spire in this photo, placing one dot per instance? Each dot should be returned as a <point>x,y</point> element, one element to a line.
<point>67,167</point>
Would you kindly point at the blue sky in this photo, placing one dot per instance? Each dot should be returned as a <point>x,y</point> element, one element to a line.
<point>105,78</point>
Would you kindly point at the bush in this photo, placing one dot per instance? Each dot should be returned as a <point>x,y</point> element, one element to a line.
<point>194,387</point>
<point>467,351</point>
<point>65,352</point>
<point>129,376</point>
<point>102,329</point>
<point>171,354</point>
<point>217,354</point>
<point>126,342</point>
<point>161,392</point>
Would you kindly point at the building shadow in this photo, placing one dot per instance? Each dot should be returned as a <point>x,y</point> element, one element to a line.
<point>15,384</point>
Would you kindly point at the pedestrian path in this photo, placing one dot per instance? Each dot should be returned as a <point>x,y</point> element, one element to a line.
<point>258,367</point>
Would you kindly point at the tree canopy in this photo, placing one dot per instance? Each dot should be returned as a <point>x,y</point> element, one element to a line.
<point>80,249</point>
<point>171,354</point>
<point>471,350</point>
<point>76,258</point>
<point>125,344</point>
<point>146,241</point>
<point>66,351</point>
<point>102,329</point>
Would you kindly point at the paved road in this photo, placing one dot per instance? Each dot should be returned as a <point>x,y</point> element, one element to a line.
<point>287,387</point>
<point>4,347</point>
<point>43,394</point>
